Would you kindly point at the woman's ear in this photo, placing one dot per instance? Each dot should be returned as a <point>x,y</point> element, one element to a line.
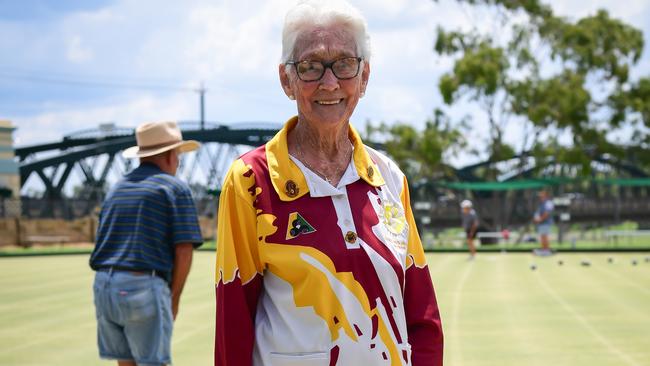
<point>285,82</point>
<point>365,76</point>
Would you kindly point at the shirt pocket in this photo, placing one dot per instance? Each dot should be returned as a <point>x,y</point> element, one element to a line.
<point>300,359</point>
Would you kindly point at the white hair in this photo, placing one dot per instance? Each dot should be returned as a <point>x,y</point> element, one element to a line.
<point>308,14</point>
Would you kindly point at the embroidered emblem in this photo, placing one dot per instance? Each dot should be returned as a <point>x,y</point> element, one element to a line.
<point>393,227</point>
<point>351,237</point>
<point>392,217</point>
<point>298,225</point>
<point>291,188</point>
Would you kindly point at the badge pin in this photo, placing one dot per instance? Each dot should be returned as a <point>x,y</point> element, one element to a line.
<point>297,225</point>
<point>291,188</point>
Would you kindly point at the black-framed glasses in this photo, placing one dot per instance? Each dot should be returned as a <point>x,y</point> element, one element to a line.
<point>343,68</point>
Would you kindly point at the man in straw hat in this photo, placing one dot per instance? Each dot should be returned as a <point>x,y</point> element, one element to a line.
<point>147,230</point>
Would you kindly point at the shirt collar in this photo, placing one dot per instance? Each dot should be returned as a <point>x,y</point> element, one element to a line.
<point>319,187</point>
<point>146,168</point>
<point>287,178</point>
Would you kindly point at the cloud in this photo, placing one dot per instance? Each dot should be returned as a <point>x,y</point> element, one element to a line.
<point>76,52</point>
<point>224,44</point>
<point>626,10</point>
<point>397,103</point>
<point>46,127</point>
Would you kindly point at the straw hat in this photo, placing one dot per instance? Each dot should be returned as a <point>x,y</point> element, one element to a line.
<point>154,138</point>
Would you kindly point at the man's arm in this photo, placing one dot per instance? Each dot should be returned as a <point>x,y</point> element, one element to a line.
<point>182,264</point>
<point>541,217</point>
<point>185,236</point>
<point>474,228</point>
<point>548,211</point>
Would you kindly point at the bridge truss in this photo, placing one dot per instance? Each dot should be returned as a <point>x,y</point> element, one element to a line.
<point>83,165</point>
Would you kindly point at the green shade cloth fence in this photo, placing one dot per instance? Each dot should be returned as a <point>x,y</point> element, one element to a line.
<point>515,185</point>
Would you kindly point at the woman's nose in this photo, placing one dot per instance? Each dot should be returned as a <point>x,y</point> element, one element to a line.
<point>329,81</point>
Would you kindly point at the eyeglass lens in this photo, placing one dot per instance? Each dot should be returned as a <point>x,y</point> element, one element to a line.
<point>344,68</point>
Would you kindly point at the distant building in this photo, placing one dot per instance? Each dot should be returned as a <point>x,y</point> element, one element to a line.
<point>9,174</point>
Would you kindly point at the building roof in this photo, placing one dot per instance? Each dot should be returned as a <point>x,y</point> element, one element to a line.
<point>6,125</point>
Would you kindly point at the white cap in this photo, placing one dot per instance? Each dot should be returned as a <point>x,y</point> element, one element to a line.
<point>466,203</point>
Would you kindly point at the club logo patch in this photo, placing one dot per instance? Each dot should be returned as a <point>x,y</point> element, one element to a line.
<point>392,217</point>
<point>298,225</point>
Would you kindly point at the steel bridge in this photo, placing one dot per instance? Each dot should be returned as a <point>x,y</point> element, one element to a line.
<point>85,163</point>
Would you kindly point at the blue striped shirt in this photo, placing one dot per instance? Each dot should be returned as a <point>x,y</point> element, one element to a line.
<point>143,217</point>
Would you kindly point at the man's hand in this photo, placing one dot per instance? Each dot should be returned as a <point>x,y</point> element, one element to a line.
<point>175,302</point>
<point>182,263</point>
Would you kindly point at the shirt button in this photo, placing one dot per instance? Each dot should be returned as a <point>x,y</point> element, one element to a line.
<point>371,172</point>
<point>351,237</point>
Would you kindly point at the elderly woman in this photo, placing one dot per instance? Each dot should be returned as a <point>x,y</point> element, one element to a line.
<point>318,257</point>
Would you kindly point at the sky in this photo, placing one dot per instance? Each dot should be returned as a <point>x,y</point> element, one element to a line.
<point>72,65</point>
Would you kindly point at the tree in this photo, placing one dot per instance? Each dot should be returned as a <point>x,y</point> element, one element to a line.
<point>633,106</point>
<point>552,76</point>
<point>422,154</point>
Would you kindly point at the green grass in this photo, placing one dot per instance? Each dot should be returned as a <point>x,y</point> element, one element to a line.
<point>495,310</point>
<point>55,249</point>
<point>593,240</point>
<point>12,251</point>
<point>47,312</point>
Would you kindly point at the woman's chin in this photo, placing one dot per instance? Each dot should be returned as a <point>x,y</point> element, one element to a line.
<point>329,117</point>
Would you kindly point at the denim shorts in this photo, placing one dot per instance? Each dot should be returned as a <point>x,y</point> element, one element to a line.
<point>134,317</point>
<point>544,229</point>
